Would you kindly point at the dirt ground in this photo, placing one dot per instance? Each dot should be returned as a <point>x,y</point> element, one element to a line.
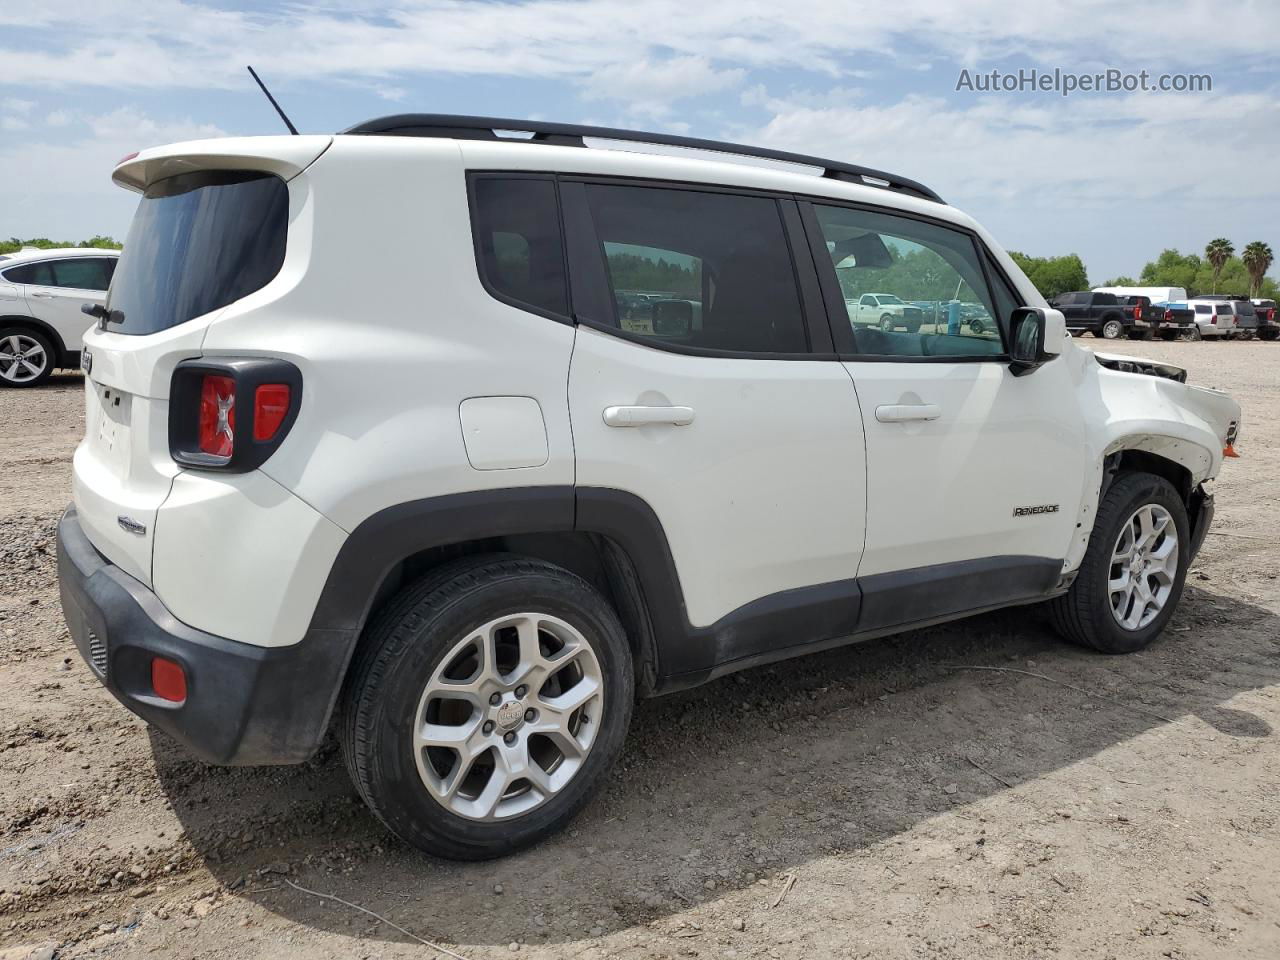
<point>886,800</point>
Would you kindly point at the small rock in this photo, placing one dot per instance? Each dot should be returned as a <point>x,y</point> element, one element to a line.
<point>739,924</point>
<point>950,789</point>
<point>497,888</point>
<point>513,947</point>
<point>597,931</point>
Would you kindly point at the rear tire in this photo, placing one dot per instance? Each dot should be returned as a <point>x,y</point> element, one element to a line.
<point>1111,330</point>
<point>402,697</point>
<point>27,358</point>
<point>1091,612</point>
<point>1268,334</point>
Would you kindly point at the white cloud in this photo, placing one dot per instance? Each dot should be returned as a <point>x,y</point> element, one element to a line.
<point>652,87</point>
<point>171,43</point>
<point>66,185</point>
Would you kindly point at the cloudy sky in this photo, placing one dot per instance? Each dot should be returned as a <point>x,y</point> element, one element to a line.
<point>1112,176</point>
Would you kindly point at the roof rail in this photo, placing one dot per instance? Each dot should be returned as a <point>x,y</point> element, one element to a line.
<point>573,135</point>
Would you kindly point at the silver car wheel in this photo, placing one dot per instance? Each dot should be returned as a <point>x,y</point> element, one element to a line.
<point>1144,565</point>
<point>509,716</point>
<point>22,358</point>
<point>1112,329</point>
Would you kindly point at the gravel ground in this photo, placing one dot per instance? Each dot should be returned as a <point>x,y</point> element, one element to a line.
<point>878,801</point>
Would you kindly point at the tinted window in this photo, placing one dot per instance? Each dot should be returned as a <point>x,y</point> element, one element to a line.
<point>1203,308</point>
<point>198,242</point>
<point>706,270</point>
<point>1072,299</point>
<point>84,273</point>
<point>931,297</point>
<point>1104,299</point>
<point>517,233</point>
<point>1244,309</point>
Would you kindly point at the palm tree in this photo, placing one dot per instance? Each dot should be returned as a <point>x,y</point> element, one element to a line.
<point>1218,252</point>
<point>1257,260</point>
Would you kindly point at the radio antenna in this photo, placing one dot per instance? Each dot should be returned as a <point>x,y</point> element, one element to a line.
<point>267,93</point>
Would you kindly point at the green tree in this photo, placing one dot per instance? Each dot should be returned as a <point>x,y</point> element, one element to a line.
<point>14,244</point>
<point>1120,281</point>
<point>1257,259</point>
<point>1053,275</point>
<point>1218,252</point>
<point>1173,269</point>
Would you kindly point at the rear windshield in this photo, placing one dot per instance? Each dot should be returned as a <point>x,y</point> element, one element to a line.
<point>1244,309</point>
<point>199,241</point>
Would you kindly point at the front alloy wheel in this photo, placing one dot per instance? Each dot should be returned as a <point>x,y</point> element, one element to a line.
<point>1144,566</point>
<point>1131,577</point>
<point>26,359</point>
<point>887,324</point>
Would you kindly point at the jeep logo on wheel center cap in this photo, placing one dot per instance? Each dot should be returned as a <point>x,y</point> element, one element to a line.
<point>510,714</point>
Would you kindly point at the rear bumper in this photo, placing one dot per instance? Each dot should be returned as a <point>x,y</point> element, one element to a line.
<point>245,704</point>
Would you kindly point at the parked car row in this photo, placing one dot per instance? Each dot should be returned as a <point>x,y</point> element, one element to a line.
<point>1114,313</point>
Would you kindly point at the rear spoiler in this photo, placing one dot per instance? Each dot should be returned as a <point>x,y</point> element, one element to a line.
<point>286,157</point>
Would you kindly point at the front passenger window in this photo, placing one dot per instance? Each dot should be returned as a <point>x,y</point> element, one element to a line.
<point>911,288</point>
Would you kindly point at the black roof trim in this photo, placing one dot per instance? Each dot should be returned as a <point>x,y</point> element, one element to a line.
<point>572,135</point>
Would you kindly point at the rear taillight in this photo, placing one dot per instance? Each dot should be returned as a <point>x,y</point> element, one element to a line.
<point>1168,316</point>
<point>217,427</point>
<point>231,414</point>
<point>1137,313</point>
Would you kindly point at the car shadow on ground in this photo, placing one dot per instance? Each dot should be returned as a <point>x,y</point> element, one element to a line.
<point>749,776</point>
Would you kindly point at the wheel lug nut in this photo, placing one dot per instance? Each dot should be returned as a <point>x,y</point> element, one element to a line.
<point>509,739</point>
<point>530,715</point>
<point>488,726</point>
<point>521,691</point>
<point>495,699</point>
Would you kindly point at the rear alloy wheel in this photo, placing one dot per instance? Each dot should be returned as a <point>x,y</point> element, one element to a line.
<point>887,324</point>
<point>1132,574</point>
<point>486,706</point>
<point>26,358</point>
<point>1112,329</point>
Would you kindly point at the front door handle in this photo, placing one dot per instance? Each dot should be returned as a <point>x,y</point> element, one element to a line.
<point>641,416</point>
<point>902,412</point>
<point>44,296</point>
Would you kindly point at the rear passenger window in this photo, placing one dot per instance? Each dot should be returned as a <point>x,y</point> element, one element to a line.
<point>517,233</point>
<point>705,270</point>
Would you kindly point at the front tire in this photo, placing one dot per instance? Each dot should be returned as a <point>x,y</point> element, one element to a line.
<point>486,706</point>
<point>27,358</point>
<point>1132,575</point>
<point>887,324</point>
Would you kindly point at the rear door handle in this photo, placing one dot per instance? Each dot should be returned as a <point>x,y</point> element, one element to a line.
<point>902,412</point>
<point>640,416</point>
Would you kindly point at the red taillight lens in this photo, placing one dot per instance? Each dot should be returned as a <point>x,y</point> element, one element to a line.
<point>1137,313</point>
<point>168,680</point>
<point>217,434</point>
<point>270,407</point>
<point>1168,316</point>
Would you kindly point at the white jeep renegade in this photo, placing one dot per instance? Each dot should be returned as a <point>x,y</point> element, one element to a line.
<point>457,441</point>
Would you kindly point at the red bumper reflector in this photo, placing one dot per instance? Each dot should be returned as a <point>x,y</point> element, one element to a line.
<point>168,680</point>
<point>270,407</point>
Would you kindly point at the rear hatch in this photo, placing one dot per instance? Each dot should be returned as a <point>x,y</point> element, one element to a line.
<point>211,229</point>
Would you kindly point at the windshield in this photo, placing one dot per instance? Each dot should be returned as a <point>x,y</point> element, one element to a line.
<point>198,242</point>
